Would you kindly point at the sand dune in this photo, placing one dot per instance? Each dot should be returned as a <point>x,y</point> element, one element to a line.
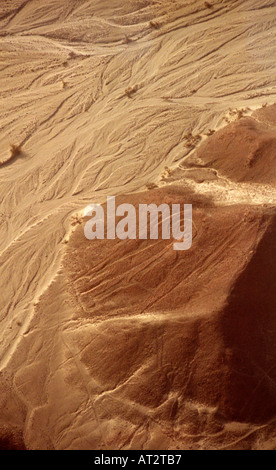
<point>132,345</point>
<point>243,151</point>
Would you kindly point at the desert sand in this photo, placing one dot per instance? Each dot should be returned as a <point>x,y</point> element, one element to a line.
<point>129,344</point>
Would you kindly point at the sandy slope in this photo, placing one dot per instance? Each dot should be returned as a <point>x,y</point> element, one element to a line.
<point>65,68</point>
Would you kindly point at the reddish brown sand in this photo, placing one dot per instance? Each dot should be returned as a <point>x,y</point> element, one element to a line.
<point>11,439</point>
<point>245,151</point>
<point>267,115</point>
<point>181,326</point>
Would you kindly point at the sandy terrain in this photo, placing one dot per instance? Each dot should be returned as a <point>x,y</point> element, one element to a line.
<point>130,345</point>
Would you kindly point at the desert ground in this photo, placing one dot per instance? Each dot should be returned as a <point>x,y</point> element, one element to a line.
<point>128,344</point>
